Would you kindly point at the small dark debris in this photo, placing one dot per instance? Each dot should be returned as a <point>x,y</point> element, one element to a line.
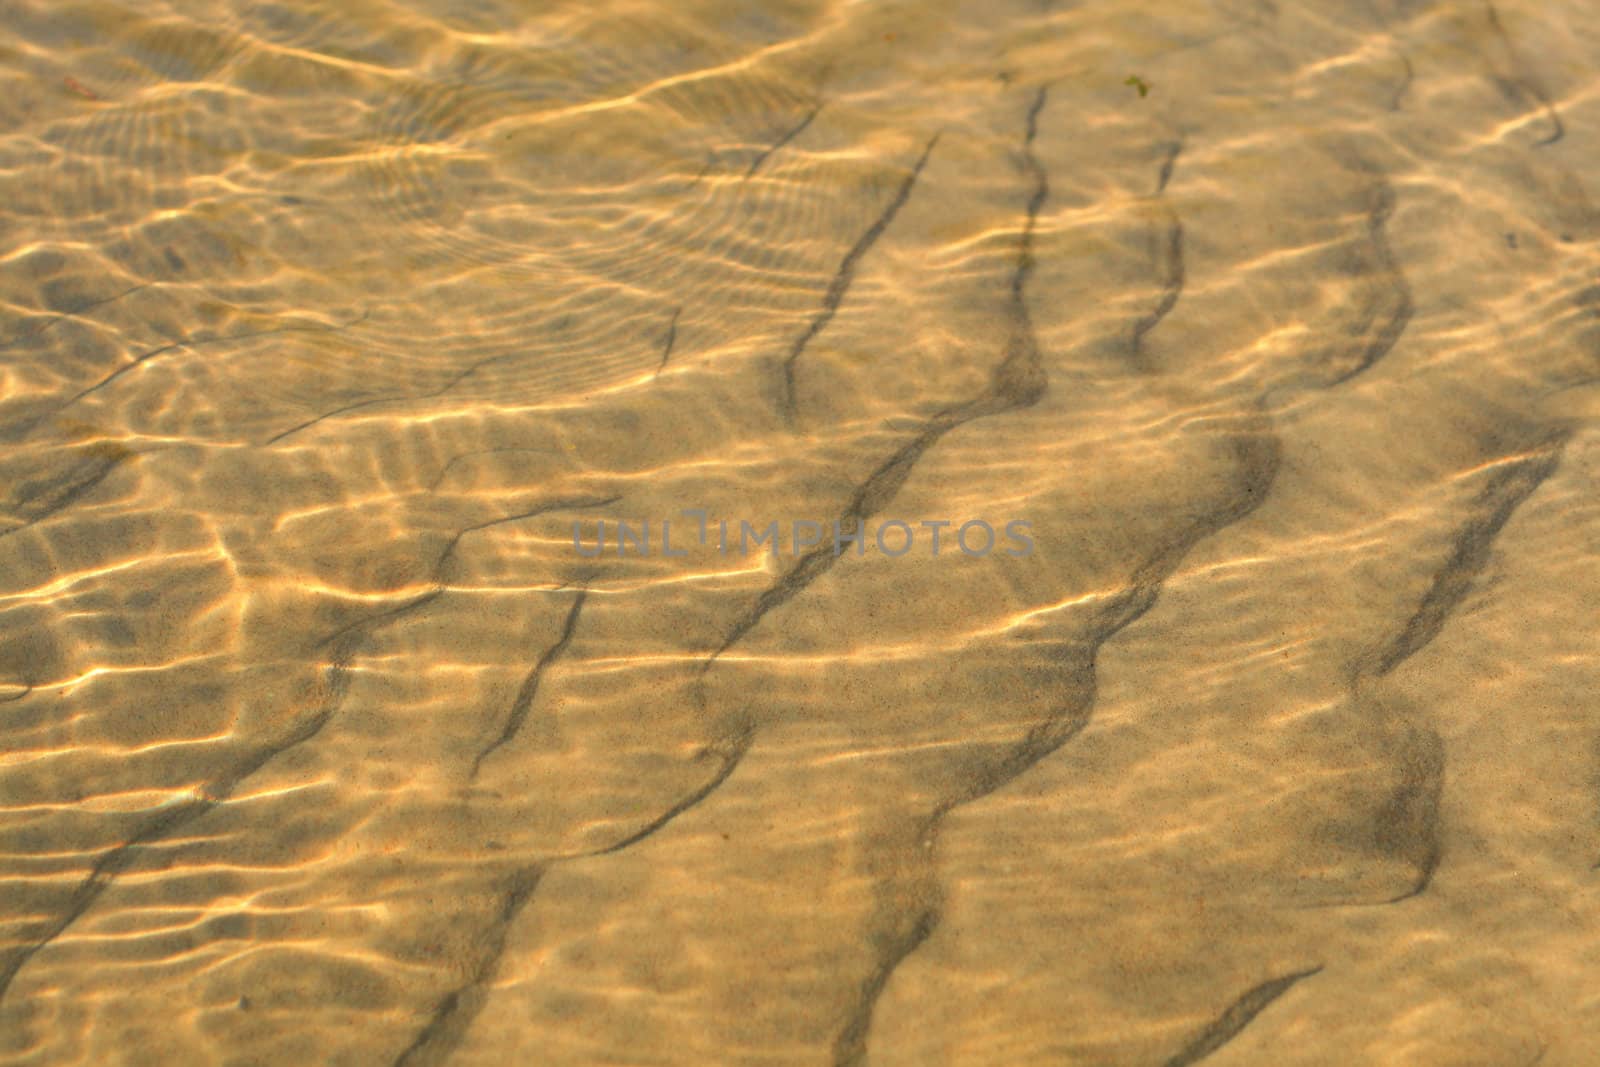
<point>1511,240</point>
<point>76,86</point>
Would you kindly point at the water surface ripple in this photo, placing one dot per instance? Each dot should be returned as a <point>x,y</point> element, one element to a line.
<point>334,337</point>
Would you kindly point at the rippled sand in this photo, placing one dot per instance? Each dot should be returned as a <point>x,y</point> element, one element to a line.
<point>322,324</point>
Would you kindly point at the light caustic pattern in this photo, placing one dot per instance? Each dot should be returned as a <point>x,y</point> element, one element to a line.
<point>321,325</point>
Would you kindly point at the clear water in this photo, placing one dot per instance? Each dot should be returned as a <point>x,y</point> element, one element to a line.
<point>335,336</point>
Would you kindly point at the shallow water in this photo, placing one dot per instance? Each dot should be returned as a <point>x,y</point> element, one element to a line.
<point>1264,339</point>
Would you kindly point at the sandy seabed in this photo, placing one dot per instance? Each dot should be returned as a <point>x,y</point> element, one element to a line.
<point>324,324</point>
